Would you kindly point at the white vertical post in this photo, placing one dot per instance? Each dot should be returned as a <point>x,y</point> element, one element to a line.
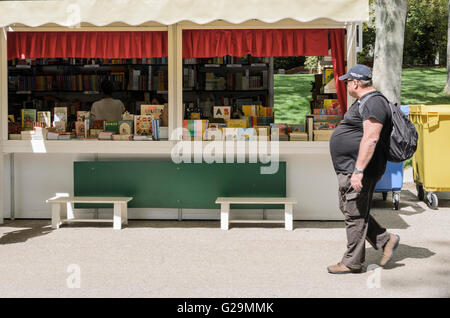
<point>224,216</point>
<point>3,86</point>
<point>2,201</point>
<point>117,223</point>
<point>175,77</point>
<point>124,213</point>
<point>351,53</point>
<point>56,215</point>
<point>3,115</point>
<point>288,217</point>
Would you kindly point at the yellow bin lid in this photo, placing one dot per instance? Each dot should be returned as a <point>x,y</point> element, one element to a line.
<point>427,109</point>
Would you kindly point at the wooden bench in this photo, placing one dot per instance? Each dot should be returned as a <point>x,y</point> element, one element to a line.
<point>62,210</point>
<point>225,210</point>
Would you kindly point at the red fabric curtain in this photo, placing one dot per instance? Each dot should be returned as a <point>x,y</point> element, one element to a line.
<point>257,42</point>
<point>84,44</point>
<point>337,41</point>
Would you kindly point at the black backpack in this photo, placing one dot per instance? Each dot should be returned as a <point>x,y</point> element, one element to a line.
<point>403,139</point>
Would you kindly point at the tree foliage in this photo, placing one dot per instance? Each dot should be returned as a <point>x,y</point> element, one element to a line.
<point>425,33</point>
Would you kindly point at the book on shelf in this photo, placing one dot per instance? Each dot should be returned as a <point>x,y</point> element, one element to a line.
<point>127,116</point>
<point>111,126</point>
<point>14,136</point>
<point>126,127</point>
<point>105,135</point>
<point>281,129</point>
<point>122,137</point>
<point>310,126</point>
<point>93,133</point>
<point>152,110</point>
<point>142,138</point>
<point>80,129</point>
<point>28,118</point>
<point>298,136</point>
<point>82,115</point>
<point>222,112</point>
<point>98,124</point>
<point>60,116</point>
<point>194,129</point>
<point>236,123</point>
<point>66,136</point>
<point>155,129</point>
<point>52,135</point>
<point>143,125</point>
<point>45,117</point>
<point>246,134</point>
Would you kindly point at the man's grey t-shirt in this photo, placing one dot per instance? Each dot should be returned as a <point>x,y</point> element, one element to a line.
<point>108,109</point>
<point>346,138</point>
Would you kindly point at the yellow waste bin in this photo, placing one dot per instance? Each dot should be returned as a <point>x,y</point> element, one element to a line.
<point>431,162</point>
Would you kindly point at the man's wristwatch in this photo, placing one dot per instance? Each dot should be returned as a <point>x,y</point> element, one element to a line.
<point>357,171</point>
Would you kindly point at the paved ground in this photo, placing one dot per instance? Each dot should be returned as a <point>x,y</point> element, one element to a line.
<point>197,259</point>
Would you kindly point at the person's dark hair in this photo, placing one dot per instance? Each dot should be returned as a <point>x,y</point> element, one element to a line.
<point>159,98</point>
<point>107,87</point>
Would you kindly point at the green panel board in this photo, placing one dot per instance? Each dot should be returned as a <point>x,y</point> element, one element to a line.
<point>164,184</point>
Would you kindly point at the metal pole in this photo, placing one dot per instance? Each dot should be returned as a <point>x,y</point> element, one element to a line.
<point>180,214</point>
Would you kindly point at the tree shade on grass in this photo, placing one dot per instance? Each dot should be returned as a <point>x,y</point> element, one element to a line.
<point>423,86</point>
<point>292,94</point>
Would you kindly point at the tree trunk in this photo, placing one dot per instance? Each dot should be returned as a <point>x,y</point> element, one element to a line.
<point>447,86</point>
<point>388,60</point>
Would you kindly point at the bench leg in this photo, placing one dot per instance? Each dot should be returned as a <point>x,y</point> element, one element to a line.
<point>56,215</point>
<point>124,214</point>
<point>224,216</point>
<point>288,217</point>
<point>117,224</point>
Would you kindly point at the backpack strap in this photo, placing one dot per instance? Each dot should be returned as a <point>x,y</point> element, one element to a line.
<point>363,100</point>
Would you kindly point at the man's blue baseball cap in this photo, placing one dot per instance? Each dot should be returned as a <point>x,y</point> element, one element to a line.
<point>358,72</point>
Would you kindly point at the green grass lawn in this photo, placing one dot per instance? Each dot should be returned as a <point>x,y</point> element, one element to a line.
<point>292,94</point>
<point>423,86</point>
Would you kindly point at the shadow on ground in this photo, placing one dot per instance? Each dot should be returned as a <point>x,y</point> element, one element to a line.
<point>402,252</point>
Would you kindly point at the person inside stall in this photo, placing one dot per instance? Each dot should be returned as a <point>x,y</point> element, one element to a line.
<point>107,108</point>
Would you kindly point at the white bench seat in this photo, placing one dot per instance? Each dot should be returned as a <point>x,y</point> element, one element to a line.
<point>225,210</point>
<point>62,204</point>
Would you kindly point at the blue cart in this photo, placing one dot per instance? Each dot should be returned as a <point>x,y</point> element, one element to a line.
<point>392,179</point>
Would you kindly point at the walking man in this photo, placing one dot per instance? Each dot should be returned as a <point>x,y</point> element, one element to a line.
<point>358,152</point>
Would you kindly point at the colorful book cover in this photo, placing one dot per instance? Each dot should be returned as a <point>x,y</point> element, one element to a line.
<point>112,126</point>
<point>195,129</point>
<point>143,125</point>
<point>222,112</point>
<point>28,118</point>
<point>155,128</point>
<point>328,74</point>
<point>60,114</point>
<point>282,129</point>
<point>45,117</point>
<point>236,123</point>
<point>246,134</point>
<point>250,110</point>
<point>95,132</point>
<point>297,128</point>
<point>153,110</point>
<point>126,127</point>
<point>330,103</point>
<point>98,124</point>
<point>80,129</point>
<point>82,115</point>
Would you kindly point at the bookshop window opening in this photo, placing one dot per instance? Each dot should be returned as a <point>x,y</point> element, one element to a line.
<point>273,91</point>
<point>54,96</point>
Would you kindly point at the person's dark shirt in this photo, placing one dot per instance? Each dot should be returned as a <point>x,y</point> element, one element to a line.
<point>346,138</point>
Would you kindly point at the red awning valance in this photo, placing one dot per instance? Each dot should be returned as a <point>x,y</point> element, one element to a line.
<point>84,44</point>
<point>257,42</point>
